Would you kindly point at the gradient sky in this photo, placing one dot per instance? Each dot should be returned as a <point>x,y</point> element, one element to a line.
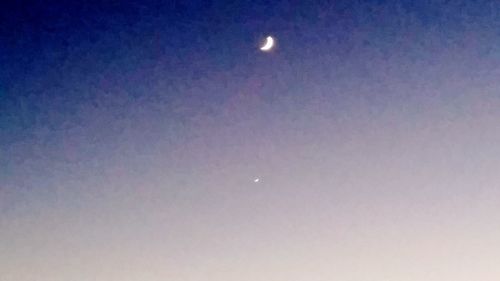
<point>131,134</point>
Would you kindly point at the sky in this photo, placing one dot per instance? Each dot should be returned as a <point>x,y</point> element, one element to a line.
<point>132,132</point>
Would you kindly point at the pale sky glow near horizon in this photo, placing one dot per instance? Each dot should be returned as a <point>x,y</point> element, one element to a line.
<point>157,142</point>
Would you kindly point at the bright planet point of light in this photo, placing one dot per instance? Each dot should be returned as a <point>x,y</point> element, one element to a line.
<point>268,45</point>
<point>256,180</point>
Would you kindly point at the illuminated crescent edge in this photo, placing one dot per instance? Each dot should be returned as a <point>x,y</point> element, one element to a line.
<point>269,44</point>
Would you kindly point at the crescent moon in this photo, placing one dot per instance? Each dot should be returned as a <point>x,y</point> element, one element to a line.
<point>268,45</point>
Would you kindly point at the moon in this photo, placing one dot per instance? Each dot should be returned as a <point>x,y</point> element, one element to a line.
<point>268,45</point>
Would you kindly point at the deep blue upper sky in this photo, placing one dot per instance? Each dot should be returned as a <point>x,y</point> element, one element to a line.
<point>37,34</point>
<point>56,50</point>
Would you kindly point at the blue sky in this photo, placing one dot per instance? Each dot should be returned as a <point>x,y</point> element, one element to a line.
<point>131,135</point>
